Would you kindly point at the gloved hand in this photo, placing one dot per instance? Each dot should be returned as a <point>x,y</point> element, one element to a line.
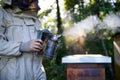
<point>33,45</point>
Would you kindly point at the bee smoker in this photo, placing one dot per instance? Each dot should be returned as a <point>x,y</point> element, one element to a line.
<point>50,41</point>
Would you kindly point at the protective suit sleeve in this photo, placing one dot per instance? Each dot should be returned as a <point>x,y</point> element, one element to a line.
<point>7,48</point>
<point>25,47</point>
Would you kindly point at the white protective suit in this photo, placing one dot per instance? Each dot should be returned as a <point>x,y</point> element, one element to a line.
<point>17,27</point>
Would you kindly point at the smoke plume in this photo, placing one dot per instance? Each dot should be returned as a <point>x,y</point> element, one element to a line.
<point>112,20</point>
<point>78,35</point>
<point>81,28</point>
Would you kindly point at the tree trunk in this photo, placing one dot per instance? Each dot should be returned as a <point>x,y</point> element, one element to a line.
<point>97,8</point>
<point>59,22</point>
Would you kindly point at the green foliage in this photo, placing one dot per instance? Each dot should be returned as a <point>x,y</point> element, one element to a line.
<point>117,5</point>
<point>94,7</point>
<point>0,2</point>
<point>55,71</point>
<point>69,4</point>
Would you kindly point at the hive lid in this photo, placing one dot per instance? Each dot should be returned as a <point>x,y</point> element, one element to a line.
<point>89,58</point>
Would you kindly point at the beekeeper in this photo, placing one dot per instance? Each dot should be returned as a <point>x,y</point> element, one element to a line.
<point>19,59</point>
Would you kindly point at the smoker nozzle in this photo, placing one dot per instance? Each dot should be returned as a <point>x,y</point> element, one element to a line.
<point>56,37</point>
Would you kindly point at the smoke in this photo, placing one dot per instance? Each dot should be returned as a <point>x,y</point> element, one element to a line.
<point>79,34</point>
<point>76,35</point>
<point>83,27</point>
<point>112,20</point>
